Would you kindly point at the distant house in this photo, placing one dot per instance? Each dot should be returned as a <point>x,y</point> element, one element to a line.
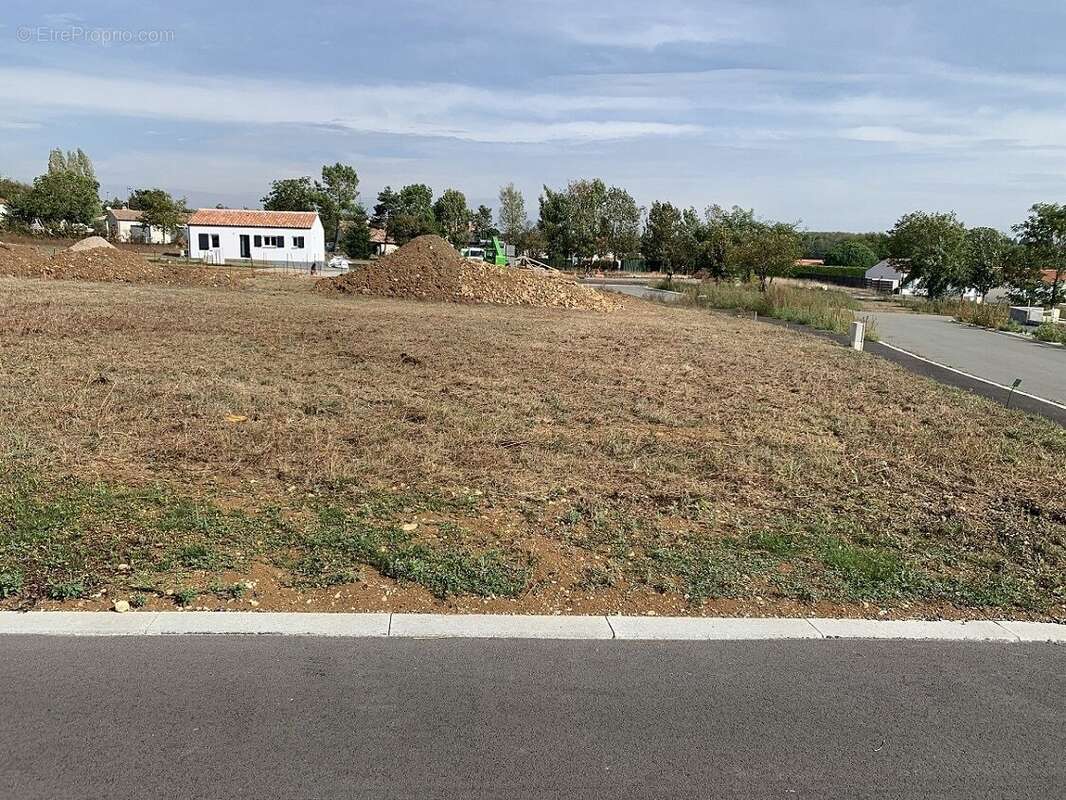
<point>218,235</point>
<point>378,243</point>
<point>883,277</point>
<point>125,225</point>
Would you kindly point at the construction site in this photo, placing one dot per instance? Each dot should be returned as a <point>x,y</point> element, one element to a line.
<point>431,432</point>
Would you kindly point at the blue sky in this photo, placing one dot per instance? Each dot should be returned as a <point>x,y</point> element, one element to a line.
<point>839,114</point>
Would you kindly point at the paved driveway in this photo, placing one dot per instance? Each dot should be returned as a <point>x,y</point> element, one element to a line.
<point>986,354</point>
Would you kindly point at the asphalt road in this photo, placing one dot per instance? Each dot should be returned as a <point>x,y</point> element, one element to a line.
<point>986,354</point>
<point>273,717</point>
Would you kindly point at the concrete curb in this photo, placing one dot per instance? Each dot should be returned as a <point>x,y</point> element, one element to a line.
<point>485,626</point>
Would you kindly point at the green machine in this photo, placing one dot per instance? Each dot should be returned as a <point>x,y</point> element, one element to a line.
<point>497,255</point>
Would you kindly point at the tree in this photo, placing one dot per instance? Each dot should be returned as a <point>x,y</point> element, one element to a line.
<point>337,195</point>
<point>621,223</point>
<point>725,233</point>
<point>1043,235</point>
<point>158,209</point>
<point>482,224</point>
<point>385,211</point>
<point>770,250</point>
<point>930,248</point>
<point>851,253</point>
<point>58,199</point>
<point>514,224</point>
<point>587,200</point>
<point>555,226</point>
<point>414,214</point>
<point>11,189</point>
<point>293,194</point>
<point>453,217</point>
<point>355,240</point>
<point>73,162</point>
<point>989,256</point>
<point>658,242</point>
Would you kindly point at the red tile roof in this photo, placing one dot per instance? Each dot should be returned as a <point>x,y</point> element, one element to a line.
<point>1049,275</point>
<point>125,214</point>
<point>241,218</point>
<point>377,236</point>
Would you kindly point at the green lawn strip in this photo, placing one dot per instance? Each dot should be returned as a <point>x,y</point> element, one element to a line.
<point>811,559</point>
<point>64,539</point>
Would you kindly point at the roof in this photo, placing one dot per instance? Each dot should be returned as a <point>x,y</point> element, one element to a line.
<point>377,236</point>
<point>243,218</point>
<point>125,214</point>
<point>884,269</point>
<point>1049,275</point>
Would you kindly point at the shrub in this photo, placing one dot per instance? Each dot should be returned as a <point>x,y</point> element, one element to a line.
<point>1050,332</point>
<point>10,584</point>
<point>824,309</point>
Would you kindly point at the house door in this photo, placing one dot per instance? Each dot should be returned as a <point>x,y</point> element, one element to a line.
<point>246,246</point>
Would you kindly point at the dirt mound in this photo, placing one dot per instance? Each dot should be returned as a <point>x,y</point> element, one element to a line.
<point>428,268</point>
<point>91,243</point>
<point>108,265</point>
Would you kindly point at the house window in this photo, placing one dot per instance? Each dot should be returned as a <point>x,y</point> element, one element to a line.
<point>273,241</point>
<point>203,241</point>
<point>298,242</point>
<point>258,241</point>
<point>214,240</point>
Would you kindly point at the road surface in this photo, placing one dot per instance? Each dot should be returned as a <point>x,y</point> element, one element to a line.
<point>283,717</point>
<point>986,354</point>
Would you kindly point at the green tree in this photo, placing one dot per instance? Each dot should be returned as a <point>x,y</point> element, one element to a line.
<point>11,189</point>
<point>293,194</point>
<point>337,196</point>
<point>587,199</point>
<point>158,209</point>
<point>930,248</point>
<point>514,224</point>
<point>482,224</point>
<point>989,256</point>
<point>1043,235</point>
<point>555,226</point>
<point>851,253</point>
<point>414,215</point>
<point>770,250</point>
<point>385,211</point>
<point>725,233</point>
<point>657,243</point>
<point>355,239</point>
<point>453,217</point>
<point>73,162</point>
<point>58,199</point>
<point>621,223</point>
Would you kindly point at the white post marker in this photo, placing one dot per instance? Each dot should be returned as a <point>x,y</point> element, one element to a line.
<point>858,334</point>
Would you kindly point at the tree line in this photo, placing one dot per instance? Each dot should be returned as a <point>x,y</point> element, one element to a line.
<point>589,219</point>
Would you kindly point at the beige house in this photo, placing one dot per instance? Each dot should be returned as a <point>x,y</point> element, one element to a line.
<point>124,225</point>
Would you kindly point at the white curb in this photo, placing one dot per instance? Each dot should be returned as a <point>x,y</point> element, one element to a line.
<point>676,628</point>
<point>495,626</point>
<point>480,626</point>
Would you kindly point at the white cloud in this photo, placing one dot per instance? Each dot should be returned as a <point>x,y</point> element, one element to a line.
<point>436,110</point>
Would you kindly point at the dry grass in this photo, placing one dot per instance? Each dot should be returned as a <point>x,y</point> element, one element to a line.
<point>664,459</point>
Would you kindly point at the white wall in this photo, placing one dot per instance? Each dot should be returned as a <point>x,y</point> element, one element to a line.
<point>128,231</point>
<point>314,248</point>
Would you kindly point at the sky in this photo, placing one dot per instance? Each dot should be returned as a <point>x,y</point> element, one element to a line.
<point>837,114</point>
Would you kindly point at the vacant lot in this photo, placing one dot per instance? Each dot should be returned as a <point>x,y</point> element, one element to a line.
<point>276,448</point>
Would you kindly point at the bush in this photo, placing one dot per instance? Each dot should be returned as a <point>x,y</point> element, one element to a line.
<point>1050,332</point>
<point>851,254</point>
<point>824,309</point>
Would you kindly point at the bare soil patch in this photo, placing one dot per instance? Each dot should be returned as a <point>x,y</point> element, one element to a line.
<point>367,454</point>
<point>428,268</point>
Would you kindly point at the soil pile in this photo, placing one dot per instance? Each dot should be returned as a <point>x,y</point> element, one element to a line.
<point>91,243</point>
<point>428,268</point>
<point>107,264</point>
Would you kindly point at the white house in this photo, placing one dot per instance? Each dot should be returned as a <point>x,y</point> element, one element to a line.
<point>883,277</point>
<point>380,246</point>
<point>218,235</point>
<point>124,225</point>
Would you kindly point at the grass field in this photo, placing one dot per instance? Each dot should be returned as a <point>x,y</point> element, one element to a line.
<point>273,448</point>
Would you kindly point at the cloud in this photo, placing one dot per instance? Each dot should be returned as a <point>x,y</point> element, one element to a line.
<point>452,111</point>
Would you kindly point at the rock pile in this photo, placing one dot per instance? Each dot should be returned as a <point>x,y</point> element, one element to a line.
<point>428,268</point>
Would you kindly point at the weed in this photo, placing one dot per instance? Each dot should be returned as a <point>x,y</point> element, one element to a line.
<point>138,600</point>
<point>70,590</point>
<point>1050,332</point>
<point>185,596</point>
<point>10,584</point>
